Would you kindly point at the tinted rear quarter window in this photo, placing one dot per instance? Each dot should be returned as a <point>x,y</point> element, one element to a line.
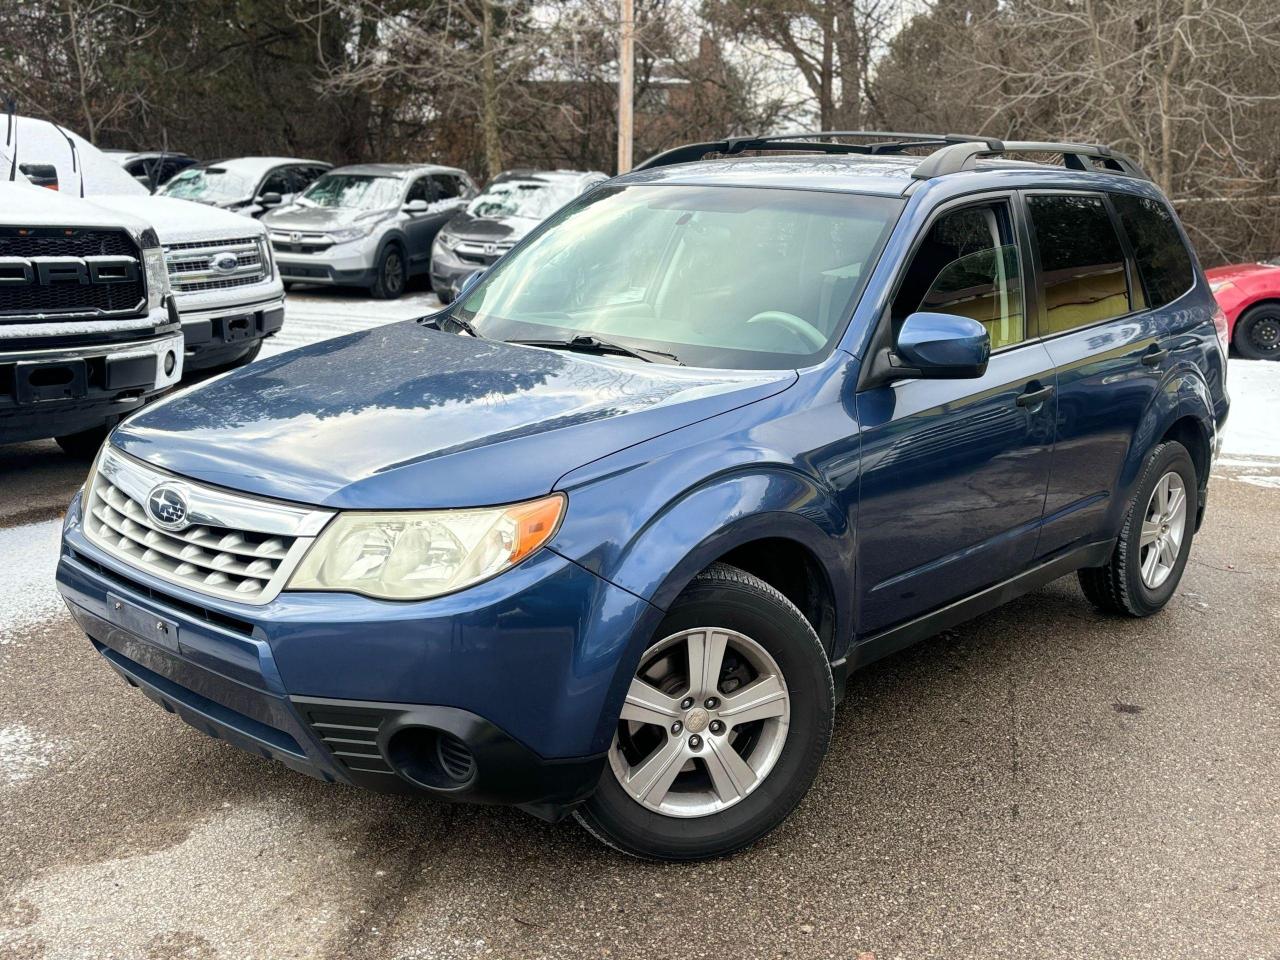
<point>1082,268</point>
<point>1163,261</point>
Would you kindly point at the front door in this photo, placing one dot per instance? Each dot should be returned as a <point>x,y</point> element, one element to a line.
<point>954,472</point>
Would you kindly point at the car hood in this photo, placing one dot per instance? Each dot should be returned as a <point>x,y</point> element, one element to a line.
<point>403,416</point>
<point>1242,271</point>
<point>181,221</point>
<point>467,227</point>
<point>311,219</point>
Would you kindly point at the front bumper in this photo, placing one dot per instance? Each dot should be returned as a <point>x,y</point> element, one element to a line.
<point>219,335</point>
<point>345,264</point>
<point>519,672</point>
<point>55,391</point>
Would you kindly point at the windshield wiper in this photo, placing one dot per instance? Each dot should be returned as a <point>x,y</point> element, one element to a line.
<point>592,344</point>
<point>463,325</point>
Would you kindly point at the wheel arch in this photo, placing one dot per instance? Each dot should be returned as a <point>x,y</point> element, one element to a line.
<point>1182,410</point>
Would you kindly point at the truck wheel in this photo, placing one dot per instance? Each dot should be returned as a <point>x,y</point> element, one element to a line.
<point>726,721</point>
<point>85,444</point>
<point>391,274</point>
<point>1257,335</point>
<point>245,358</point>
<point>1144,570</point>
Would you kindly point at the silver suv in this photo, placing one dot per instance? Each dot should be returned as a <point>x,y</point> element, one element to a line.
<point>368,225</point>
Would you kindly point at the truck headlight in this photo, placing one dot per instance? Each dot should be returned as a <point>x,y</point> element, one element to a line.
<point>155,268</point>
<point>266,257</point>
<point>424,553</point>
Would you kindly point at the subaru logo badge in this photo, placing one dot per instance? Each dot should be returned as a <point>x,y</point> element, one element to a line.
<point>224,261</point>
<point>167,506</point>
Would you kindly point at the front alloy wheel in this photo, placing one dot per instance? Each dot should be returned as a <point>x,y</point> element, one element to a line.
<point>703,724</point>
<point>725,722</point>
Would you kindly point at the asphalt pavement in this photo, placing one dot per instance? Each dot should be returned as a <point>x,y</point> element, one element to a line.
<point>1044,781</point>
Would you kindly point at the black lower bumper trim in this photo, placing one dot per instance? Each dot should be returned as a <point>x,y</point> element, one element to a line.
<point>411,747</point>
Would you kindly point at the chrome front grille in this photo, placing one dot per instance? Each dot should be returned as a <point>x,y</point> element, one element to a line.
<point>192,265</point>
<point>231,546</point>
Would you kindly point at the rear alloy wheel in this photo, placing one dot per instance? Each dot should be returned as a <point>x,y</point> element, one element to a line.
<point>1257,335</point>
<point>723,728</point>
<point>1151,553</point>
<point>391,274</point>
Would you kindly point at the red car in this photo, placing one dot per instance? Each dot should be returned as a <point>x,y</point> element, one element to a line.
<point>1249,294</point>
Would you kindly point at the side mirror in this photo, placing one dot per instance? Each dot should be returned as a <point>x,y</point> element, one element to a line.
<point>270,199</point>
<point>415,206</point>
<point>467,284</point>
<point>942,346</point>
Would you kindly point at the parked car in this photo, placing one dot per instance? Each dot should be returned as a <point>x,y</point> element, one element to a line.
<point>88,329</point>
<point>512,205</point>
<point>608,534</point>
<point>151,168</point>
<point>220,267</point>
<point>369,225</point>
<point>249,186</point>
<point>1249,294</point>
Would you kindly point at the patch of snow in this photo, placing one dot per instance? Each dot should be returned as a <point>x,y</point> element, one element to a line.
<point>1253,426</point>
<point>22,754</point>
<point>27,591</point>
<point>1271,481</point>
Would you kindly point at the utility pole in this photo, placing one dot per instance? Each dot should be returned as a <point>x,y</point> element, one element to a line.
<point>626,82</point>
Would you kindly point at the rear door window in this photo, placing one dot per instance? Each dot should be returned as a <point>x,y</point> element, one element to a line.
<point>968,265</point>
<point>1082,265</point>
<point>1163,261</point>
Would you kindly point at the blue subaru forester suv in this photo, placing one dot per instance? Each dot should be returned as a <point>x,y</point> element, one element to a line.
<point>607,535</point>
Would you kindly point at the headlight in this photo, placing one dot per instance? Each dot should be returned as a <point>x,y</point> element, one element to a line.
<point>447,241</point>
<point>1217,285</point>
<point>347,234</point>
<point>426,553</point>
<point>265,258</point>
<point>157,271</point>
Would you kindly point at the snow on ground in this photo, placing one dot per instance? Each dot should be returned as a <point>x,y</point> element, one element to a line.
<point>312,314</point>
<point>27,592</point>
<point>1252,436</point>
<point>22,754</point>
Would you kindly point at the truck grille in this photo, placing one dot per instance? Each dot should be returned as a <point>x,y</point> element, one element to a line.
<point>235,547</point>
<point>192,265</point>
<point>22,301</point>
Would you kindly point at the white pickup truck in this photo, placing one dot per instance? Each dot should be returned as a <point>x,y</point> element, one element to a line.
<point>220,265</point>
<point>88,328</point>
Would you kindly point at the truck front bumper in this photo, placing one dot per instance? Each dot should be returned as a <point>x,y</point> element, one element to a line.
<point>220,335</point>
<point>55,391</point>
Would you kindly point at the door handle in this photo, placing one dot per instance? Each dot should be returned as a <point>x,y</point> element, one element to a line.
<point>1033,398</point>
<point>1153,356</point>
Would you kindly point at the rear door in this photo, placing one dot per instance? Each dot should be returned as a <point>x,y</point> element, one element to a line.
<point>1110,349</point>
<point>955,471</point>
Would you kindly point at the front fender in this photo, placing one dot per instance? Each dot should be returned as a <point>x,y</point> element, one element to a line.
<point>661,559</point>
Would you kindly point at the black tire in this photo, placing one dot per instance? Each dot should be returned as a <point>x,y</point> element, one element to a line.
<point>85,444</point>
<point>392,273</point>
<point>1257,334</point>
<point>724,596</point>
<point>1118,586</point>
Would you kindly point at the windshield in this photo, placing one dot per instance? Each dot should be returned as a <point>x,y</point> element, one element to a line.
<point>730,277</point>
<point>527,199</point>
<point>210,184</point>
<point>353,191</point>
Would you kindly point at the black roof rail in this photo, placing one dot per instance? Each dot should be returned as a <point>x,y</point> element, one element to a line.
<point>819,141</point>
<point>1076,156</point>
